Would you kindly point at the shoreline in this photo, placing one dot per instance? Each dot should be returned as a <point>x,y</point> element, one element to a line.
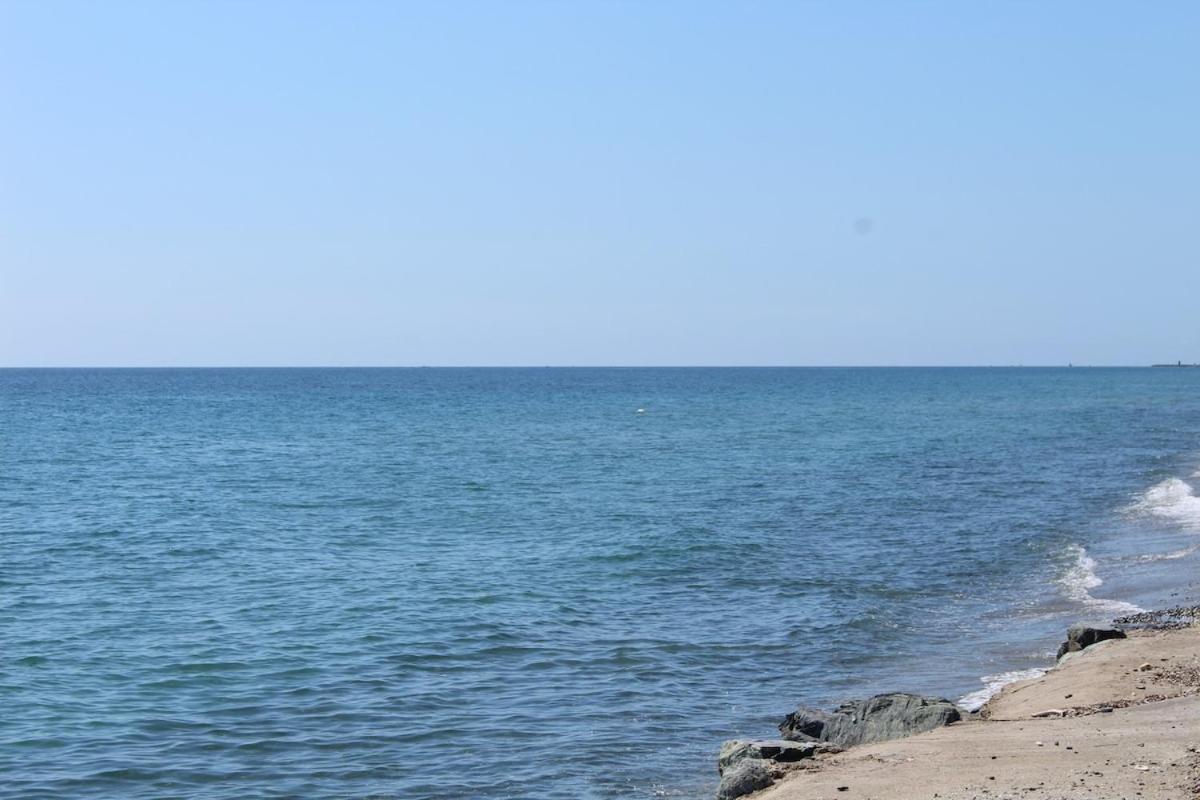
<point>1118,719</point>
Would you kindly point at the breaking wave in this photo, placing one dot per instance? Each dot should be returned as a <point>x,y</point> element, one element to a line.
<point>1080,578</point>
<point>1173,499</point>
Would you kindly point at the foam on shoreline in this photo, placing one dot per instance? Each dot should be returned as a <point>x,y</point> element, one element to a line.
<point>1080,578</point>
<point>992,684</point>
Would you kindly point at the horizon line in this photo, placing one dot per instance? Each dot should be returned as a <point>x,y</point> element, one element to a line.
<point>1069,365</point>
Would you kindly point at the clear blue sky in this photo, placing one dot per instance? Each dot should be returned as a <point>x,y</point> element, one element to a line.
<point>227,183</point>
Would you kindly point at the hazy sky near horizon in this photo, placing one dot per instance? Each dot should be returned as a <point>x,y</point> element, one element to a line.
<point>492,183</point>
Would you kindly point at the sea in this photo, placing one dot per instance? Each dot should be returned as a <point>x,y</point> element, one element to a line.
<point>547,583</point>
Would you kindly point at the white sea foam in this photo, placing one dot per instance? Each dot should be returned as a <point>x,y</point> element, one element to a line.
<point>1081,578</point>
<point>992,684</point>
<point>1174,554</point>
<point>1172,499</point>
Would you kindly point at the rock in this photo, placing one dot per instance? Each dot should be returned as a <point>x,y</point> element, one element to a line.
<point>778,750</point>
<point>1083,636</point>
<point>885,716</point>
<point>805,724</point>
<point>733,751</point>
<point>784,752</point>
<point>743,777</point>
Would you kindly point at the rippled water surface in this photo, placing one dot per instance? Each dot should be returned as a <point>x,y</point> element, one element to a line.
<point>509,583</point>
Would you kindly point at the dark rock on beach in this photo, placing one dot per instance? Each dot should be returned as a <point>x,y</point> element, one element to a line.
<point>1080,637</point>
<point>885,716</point>
<point>743,777</point>
<point>782,751</point>
<point>747,766</point>
<point>742,762</point>
<point>805,724</point>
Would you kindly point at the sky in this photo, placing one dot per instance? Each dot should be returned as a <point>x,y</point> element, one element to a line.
<point>598,183</point>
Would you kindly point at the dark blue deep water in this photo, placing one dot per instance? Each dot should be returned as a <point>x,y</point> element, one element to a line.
<point>440,583</point>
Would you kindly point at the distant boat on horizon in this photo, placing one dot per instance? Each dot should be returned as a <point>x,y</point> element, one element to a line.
<point>1176,364</point>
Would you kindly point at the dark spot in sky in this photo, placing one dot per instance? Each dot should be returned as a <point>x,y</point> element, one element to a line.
<point>864,225</point>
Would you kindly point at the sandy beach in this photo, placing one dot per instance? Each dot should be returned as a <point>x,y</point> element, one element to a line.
<point>1120,719</point>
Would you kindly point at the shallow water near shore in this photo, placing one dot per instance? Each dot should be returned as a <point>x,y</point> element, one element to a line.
<point>431,583</point>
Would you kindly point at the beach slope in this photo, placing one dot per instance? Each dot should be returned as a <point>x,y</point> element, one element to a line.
<point>1118,720</point>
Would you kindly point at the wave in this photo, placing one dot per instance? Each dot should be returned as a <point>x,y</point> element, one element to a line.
<point>1081,578</point>
<point>992,684</point>
<point>1173,499</point>
<point>1171,556</point>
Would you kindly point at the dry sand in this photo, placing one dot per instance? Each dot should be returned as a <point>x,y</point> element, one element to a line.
<point>1045,738</point>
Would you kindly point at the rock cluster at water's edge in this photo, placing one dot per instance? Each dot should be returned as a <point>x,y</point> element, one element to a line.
<point>746,776</point>
<point>1083,636</point>
<point>748,766</point>
<point>876,719</point>
<point>745,766</point>
<point>1162,619</point>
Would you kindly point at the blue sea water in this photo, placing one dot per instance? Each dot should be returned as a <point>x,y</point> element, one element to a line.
<point>510,583</point>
